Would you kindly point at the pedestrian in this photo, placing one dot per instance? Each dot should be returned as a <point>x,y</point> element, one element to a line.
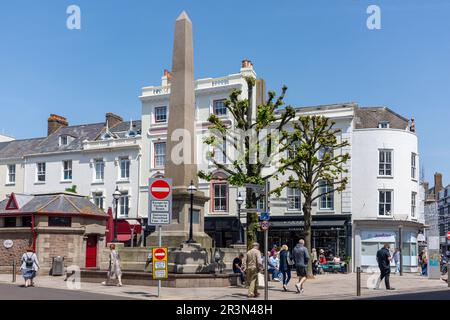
<point>322,260</point>
<point>425,263</point>
<point>253,266</point>
<point>315,261</point>
<point>29,266</point>
<point>274,267</point>
<point>384,263</point>
<point>285,265</point>
<point>114,270</point>
<point>274,250</point>
<point>237,267</point>
<point>301,258</point>
<point>397,260</point>
<point>419,262</point>
<point>149,260</point>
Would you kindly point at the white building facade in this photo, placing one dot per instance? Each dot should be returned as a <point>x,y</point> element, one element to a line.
<point>382,194</point>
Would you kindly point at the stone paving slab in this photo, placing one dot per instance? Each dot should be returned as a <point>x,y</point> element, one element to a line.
<point>323,287</point>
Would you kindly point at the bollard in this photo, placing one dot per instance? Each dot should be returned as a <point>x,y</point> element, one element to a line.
<point>14,271</point>
<point>358,281</point>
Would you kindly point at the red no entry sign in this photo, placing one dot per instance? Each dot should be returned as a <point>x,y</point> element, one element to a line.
<point>448,235</point>
<point>160,254</point>
<point>160,189</point>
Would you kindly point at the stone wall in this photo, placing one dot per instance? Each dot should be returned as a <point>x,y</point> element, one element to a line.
<point>22,239</point>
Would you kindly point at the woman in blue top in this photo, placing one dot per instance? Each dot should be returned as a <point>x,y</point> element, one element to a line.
<point>285,265</point>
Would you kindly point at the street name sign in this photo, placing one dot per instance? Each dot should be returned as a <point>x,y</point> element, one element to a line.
<point>160,201</point>
<point>160,263</point>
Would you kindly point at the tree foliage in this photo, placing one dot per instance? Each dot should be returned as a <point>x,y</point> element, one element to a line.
<point>315,158</point>
<point>251,138</point>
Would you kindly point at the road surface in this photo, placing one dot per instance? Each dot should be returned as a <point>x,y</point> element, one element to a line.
<point>18,292</point>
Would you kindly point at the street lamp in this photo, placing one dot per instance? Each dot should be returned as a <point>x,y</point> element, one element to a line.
<point>116,196</point>
<point>239,202</point>
<point>191,189</point>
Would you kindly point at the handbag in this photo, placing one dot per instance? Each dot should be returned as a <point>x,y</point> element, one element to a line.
<point>289,260</point>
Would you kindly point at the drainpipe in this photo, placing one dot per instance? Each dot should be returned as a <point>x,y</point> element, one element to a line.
<point>139,198</point>
<point>33,231</point>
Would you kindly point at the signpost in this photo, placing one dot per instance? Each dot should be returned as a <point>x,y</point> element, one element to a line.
<point>160,213</point>
<point>448,235</point>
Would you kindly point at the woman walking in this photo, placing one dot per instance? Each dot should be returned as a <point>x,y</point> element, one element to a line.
<point>315,261</point>
<point>114,270</point>
<point>285,265</point>
<point>29,266</point>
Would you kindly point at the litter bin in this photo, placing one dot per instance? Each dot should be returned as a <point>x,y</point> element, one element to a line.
<point>57,266</point>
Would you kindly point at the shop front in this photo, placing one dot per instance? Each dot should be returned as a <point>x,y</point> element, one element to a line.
<point>332,233</point>
<point>370,236</point>
<point>223,230</point>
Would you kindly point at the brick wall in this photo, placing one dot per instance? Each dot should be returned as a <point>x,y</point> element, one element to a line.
<point>22,240</point>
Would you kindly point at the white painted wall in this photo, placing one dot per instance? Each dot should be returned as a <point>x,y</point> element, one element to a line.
<point>366,182</point>
<point>83,174</point>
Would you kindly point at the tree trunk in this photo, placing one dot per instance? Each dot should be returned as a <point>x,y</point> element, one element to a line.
<point>252,218</point>
<point>308,233</point>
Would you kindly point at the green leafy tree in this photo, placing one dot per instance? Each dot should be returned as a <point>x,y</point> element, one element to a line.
<point>250,144</point>
<point>72,189</point>
<point>316,164</point>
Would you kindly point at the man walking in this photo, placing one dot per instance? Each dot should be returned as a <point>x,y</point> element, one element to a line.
<point>253,266</point>
<point>301,258</point>
<point>384,263</point>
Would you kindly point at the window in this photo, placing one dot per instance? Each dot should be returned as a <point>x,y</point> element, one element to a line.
<point>324,151</point>
<point>67,170</point>
<point>160,154</point>
<point>413,165</point>
<point>384,125</point>
<point>10,222</point>
<point>59,221</point>
<point>124,204</point>
<point>219,108</point>
<point>261,203</point>
<point>385,203</point>
<point>41,172</point>
<point>293,199</point>
<point>26,222</point>
<point>220,196</point>
<point>413,204</point>
<point>11,173</point>
<point>292,152</point>
<point>124,168</point>
<point>160,114</point>
<point>385,163</point>
<point>327,197</point>
<point>98,199</point>
<point>99,166</point>
<point>220,152</point>
<point>63,141</point>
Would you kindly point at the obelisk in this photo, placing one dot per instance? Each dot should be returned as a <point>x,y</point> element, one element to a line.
<point>181,157</point>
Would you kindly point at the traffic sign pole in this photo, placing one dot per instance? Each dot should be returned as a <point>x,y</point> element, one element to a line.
<point>159,244</point>
<point>266,247</point>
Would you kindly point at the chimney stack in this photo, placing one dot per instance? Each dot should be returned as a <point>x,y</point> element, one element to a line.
<point>437,184</point>
<point>113,120</point>
<point>55,123</point>
<point>247,64</point>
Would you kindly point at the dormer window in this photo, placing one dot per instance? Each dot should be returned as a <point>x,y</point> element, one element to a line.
<point>384,125</point>
<point>65,140</point>
<point>107,136</point>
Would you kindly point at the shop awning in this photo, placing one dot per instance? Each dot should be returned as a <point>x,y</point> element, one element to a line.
<point>126,226</point>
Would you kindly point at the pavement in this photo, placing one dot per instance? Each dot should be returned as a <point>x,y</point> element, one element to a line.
<point>323,287</point>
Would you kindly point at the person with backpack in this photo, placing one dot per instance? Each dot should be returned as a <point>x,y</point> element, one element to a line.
<point>301,258</point>
<point>29,266</point>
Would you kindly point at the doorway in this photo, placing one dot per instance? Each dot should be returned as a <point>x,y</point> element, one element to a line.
<point>91,251</point>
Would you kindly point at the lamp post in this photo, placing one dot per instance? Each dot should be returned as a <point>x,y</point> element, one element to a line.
<point>191,189</point>
<point>400,240</point>
<point>239,202</point>
<point>116,196</point>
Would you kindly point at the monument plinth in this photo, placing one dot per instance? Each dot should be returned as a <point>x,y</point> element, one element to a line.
<point>181,159</point>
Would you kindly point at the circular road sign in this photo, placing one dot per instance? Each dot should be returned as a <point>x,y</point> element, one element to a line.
<point>160,254</point>
<point>160,189</point>
<point>265,225</point>
<point>448,235</point>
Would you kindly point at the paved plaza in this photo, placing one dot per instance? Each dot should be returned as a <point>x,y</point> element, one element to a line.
<point>323,287</point>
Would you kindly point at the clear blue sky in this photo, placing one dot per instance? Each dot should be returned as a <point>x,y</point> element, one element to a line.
<point>320,49</point>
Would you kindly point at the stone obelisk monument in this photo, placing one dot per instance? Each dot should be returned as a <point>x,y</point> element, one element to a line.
<point>181,158</point>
